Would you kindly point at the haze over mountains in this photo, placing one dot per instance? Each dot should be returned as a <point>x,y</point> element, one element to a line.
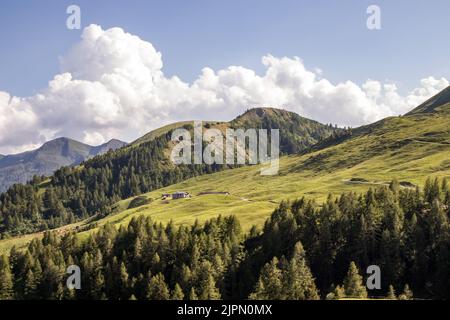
<point>54,154</point>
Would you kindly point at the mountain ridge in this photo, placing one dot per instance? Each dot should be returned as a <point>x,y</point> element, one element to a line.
<point>53,154</point>
<point>433,104</point>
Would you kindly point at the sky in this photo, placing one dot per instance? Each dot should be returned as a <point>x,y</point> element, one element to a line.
<point>136,65</point>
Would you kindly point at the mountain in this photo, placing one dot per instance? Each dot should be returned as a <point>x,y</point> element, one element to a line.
<point>296,133</point>
<point>159,132</point>
<point>433,104</point>
<point>52,155</point>
<point>113,144</point>
<point>143,166</point>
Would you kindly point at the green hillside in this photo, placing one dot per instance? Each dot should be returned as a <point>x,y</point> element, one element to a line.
<point>296,133</point>
<point>73,194</point>
<point>158,132</point>
<point>409,148</point>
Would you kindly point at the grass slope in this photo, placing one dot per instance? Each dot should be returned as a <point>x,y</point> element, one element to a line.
<point>409,148</point>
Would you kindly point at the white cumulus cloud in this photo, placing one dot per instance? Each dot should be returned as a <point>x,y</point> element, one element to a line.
<point>112,85</point>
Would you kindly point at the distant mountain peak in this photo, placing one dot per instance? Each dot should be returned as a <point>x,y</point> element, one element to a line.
<point>434,103</point>
<point>114,141</point>
<point>51,156</point>
<point>112,144</point>
<point>258,115</point>
<point>262,111</point>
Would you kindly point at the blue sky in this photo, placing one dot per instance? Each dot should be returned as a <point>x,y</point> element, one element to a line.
<point>219,58</point>
<point>331,35</point>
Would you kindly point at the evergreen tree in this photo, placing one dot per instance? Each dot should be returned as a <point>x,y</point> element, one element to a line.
<point>298,282</point>
<point>407,294</point>
<point>123,284</point>
<point>192,294</point>
<point>30,286</point>
<point>6,279</point>
<point>269,285</point>
<point>336,293</point>
<point>353,283</point>
<point>391,293</point>
<point>339,292</point>
<point>177,293</point>
<point>157,288</point>
<point>208,290</point>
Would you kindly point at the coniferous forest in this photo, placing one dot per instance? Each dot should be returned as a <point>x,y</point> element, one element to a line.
<point>305,251</point>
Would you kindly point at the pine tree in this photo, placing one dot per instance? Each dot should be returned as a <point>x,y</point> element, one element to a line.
<point>395,186</point>
<point>177,293</point>
<point>336,293</point>
<point>6,279</point>
<point>445,187</point>
<point>30,285</point>
<point>260,292</point>
<point>391,293</point>
<point>123,282</point>
<point>269,285</point>
<point>447,199</point>
<point>298,282</point>
<point>407,293</point>
<point>193,295</point>
<point>157,288</point>
<point>208,289</point>
<point>440,249</point>
<point>339,292</point>
<point>353,283</point>
<point>432,190</point>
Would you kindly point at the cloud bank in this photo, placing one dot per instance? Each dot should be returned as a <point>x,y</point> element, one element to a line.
<point>112,85</point>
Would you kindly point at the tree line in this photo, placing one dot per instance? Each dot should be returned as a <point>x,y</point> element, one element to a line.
<point>304,251</point>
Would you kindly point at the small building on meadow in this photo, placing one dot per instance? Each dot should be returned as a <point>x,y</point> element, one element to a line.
<point>180,195</point>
